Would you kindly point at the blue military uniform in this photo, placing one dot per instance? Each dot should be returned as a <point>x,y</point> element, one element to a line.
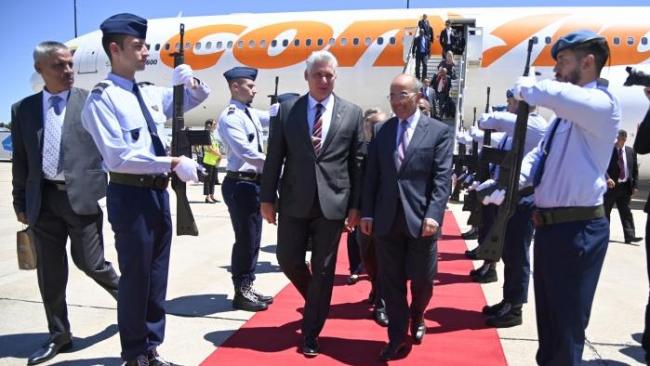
<point>572,232</point>
<point>241,129</point>
<point>123,118</point>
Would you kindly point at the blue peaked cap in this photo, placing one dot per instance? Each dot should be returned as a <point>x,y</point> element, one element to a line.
<point>125,23</point>
<point>510,93</point>
<point>573,39</point>
<point>240,72</point>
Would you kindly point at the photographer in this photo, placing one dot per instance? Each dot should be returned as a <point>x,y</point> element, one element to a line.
<point>642,146</point>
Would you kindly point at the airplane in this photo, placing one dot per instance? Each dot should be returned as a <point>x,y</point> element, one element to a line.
<point>372,46</point>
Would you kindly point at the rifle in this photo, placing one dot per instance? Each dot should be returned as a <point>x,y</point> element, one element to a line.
<point>182,141</point>
<point>482,169</point>
<point>274,96</point>
<point>510,168</point>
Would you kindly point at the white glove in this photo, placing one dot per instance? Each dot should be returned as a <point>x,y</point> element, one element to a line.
<point>495,198</point>
<point>273,109</point>
<point>484,117</point>
<point>186,169</point>
<point>523,82</point>
<point>183,75</point>
<point>473,186</point>
<point>460,137</point>
<point>468,139</point>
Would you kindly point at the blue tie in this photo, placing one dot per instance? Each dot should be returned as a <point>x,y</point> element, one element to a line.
<point>538,169</point>
<point>158,147</point>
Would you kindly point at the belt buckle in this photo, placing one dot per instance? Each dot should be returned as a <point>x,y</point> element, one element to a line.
<point>160,181</point>
<point>538,219</point>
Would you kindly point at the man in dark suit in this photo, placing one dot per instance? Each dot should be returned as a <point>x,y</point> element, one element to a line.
<point>425,27</point>
<point>421,50</point>
<point>319,139</point>
<point>622,177</point>
<point>406,187</point>
<point>447,38</point>
<point>57,180</point>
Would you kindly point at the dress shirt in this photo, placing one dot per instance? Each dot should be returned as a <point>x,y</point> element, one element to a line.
<point>624,155</point>
<point>46,106</point>
<point>328,108</point>
<point>412,122</point>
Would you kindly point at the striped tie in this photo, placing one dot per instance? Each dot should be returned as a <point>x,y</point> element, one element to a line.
<point>317,130</point>
<point>403,143</point>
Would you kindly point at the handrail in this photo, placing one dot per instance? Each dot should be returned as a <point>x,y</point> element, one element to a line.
<point>410,54</point>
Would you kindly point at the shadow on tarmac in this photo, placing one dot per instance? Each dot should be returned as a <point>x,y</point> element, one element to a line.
<point>262,267</point>
<point>195,306</point>
<point>104,361</point>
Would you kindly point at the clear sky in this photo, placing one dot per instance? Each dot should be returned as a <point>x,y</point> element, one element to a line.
<point>25,23</point>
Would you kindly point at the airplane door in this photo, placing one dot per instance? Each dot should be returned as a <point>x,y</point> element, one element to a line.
<point>474,46</point>
<point>409,35</point>
<point>87,61</point>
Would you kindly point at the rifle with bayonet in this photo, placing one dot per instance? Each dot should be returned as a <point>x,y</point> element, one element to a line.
<point>274,96</point>
<point>182,141</point>
<point>509,170</point>
<point>482,169</point>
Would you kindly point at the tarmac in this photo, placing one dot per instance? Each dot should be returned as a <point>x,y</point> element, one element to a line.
<point>200,315</point>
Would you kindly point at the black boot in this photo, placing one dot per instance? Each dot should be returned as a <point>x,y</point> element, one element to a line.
<point>485,274</point>
<point>491,310</point>
<point>245,299</point>
<point>508,316</point>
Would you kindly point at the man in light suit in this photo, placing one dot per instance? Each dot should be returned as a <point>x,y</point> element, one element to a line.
<point>57,181</point>
<point>319,139</point>
<point>621,184</point>
<point>406,187</point>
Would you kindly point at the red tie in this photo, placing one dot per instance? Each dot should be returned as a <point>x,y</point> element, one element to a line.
<point>621,165</point>
<point>317,130</point>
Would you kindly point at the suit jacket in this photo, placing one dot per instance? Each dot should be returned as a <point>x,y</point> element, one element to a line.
<point>422,183</point>
<point>443,38</point>
<point>417,47</point>
<point>84,177</point>
<point>335,174</point>
<point>642,145</point>
<point>632,167</point>
<point>425,26</point>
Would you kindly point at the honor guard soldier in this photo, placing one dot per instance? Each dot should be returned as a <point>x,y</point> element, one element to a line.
<point>240,129</point>
<point>572,231</point>
<point>123,118</point>
<point>519,232</point>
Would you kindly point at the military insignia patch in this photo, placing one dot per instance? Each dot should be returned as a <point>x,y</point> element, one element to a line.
<point>99,88</point>
<point>154,107</point>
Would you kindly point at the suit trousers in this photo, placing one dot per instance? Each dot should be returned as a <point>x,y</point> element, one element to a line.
<point>354,252</point>
<point>368,248</point>
<point>568,259</point>
<point>142,224</point>
<point>645,340</point>
<point>516,252</point>
<point>315,286</point>
<point>421,60</point>
<point>243,200</point>
<point>56,222</point>
<point>398,253</point>
<point>621,195</point>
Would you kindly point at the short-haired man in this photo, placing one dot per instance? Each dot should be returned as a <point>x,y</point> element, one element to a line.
<point>57,181</point>
<point>316,143</point>
<point>123,118</point>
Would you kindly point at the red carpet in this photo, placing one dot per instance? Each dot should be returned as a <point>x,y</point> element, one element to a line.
<point>455,330</point>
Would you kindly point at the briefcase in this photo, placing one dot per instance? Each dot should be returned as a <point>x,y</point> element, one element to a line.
<point>26,249</point>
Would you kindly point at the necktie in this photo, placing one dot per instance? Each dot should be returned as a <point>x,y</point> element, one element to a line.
<point>257,132</point>
<point>621,165</point>
<point>52,153</point>
<point>403,143</point>
<point>158,147</point>
<point>538,169</point>
<point>317,130</point>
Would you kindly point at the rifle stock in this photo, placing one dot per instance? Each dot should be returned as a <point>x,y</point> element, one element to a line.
<point>274,96</point>
<point>510,168</point>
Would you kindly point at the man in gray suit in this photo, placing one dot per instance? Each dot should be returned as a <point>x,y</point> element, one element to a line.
<point>319,139</point>
<point>406,187</point>
<point>57,180</point>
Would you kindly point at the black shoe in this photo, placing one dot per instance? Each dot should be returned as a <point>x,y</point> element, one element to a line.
<point>394,351</point>
<point>471,254</point>
<point>508,316</point>
<point>418,329</point>
<point>633,240</point>
<point>246,300</point>
<point>487,276</point>
<point>154,359</point>
<point>491,310</point>
<point>380,316</point>
<point>354,278</point>
<point>310,346</point>
<point>471,234</point>
<point>48,351</point>
<point>139,361</point>
<point>268,300</point>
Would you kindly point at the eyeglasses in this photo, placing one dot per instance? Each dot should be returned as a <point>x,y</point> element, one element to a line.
<point>401,96</point>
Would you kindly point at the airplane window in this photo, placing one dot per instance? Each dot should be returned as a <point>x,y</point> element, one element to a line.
<point>368,41</point>
<point>208,45</point>
<point>344,41</point>
<point>547,40</point>
<point>285,42</point>
<point>148,46</point>
<point>167,46</point>
<point>630,41</point>
<point>219,45</point>
<point>157,48</point>
<point>320,42</point>
<point>251,44</point>
<point>617,40</point>
<point>380,40</point>
<point>355,41</point>
<point>197,46</point>
<point>263,43</point>
<point>332,41</point>
<point>535,40</point>
<point>296,42</point>
<point>188,45</point>
<point>393,40</point>
<point>229,45</point>
<point>177,46</point>
<point>308,42</point>
<point>274,43</point>
<point>644,40</point>
<point>240,44</point>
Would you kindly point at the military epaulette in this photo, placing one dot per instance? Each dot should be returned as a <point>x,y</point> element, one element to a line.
<point>231,109</point>
<point>145,83</point>
<point>99,88</point>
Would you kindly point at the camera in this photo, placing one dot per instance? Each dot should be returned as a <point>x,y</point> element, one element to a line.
<point>636,77</point>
